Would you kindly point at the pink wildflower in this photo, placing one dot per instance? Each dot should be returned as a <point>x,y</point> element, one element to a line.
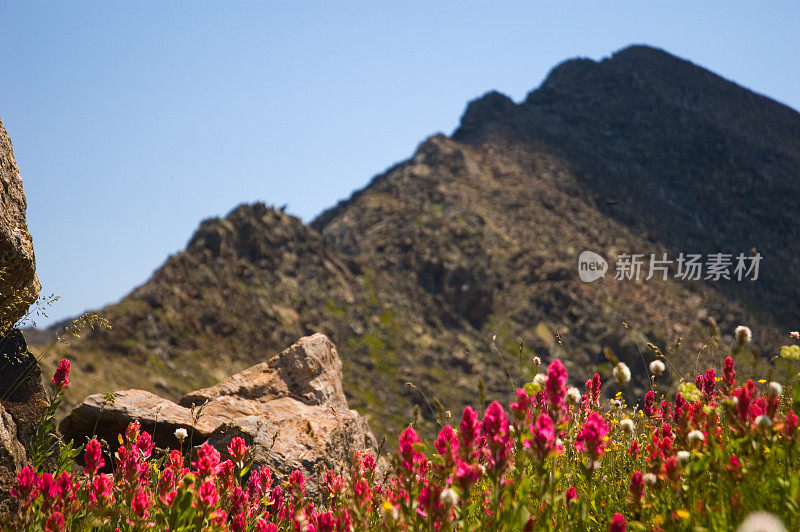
<point>207,460</point>
<point>26,484</point>
<point>61,376</point>
<point>637,486</point>
<point>237,449</point>
<point>618,523</point>
<point>497,440</point>
<point>207,494</point>
<point>469,433</point>
<point>140,505</point>
<point>571,495</point>
<point>93,457</point>
<point>590,438</point>
<point>54,523</point>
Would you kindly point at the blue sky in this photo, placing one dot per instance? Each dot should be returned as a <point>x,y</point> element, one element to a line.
<point>133,121</point>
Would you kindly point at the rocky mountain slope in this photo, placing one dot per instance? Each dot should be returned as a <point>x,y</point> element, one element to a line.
<point>478,235</point>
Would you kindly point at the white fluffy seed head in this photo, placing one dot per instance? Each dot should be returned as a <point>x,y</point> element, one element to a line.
<point>743,334</point>
<point>627,425</point>
<point>448,497</point>
<point>622,373</point>
<point>774,389</point>
<point>683,456</point>
<point>540,379</point>
<point>181,434</point>
<point>573,395</point>
<point>695,436</point>
<point>650,479</point>
<point>657,367</point>
<point>761,522</point>
<point>763,422</point>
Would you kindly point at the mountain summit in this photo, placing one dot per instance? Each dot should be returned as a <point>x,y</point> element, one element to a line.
<point>445,274</point>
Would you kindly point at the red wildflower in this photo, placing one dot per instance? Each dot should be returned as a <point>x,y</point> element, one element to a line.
<point>47,487</point>
<point>469,433</point>
<point>544,437</point>
<point>617,523</point>
<point>637,486</point>
<point>735,467</point>
<point>145,444</point>
<point>55,523</point>
<point>728,373</point>
<point>66,488</point>
<point>132,432</point>
<point>411,457</point>
<point>237,449</point>
<point>297,482</point>
<point>61,376</point>
<point>93,457</point>
<point>446,444</point>
<point>207,494</point>
<point>790,424</point>
<point>219,518</point>
<point>26,484</point>
<point>633,449</point>
<point>590,438</point>
<point>649,401</point>
<point>467,474</point>
<point>100,491</point>
<point>207,460</point>
<point>140,504</point>
<point>522,405</point>
<point>555,386</point>
<point>710,381</point>
<point>571,495</point>
<point>497,439</point>
<point>263,526</point>
<point>175,460</point>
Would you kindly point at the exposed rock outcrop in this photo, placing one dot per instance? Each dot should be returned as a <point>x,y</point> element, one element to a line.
<point>478,235</point>
<point>291,409</point>
<point>19,285</point>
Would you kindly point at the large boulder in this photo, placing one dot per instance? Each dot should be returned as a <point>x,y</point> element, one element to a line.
<point>12,458</point>
<point>19,286</point>
<point>22,404</point>
<point>291,409</point>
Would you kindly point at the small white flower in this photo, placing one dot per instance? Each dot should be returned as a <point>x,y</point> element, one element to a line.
<point>763,421</point>
<point>650,479</point>
<point>181,434</point>
<point>657,367</point>
<point>695,436</point>
<point>683,456</point>
<point>573,395</point>
<point>627,425</point>
<point>540,379</point>
<point>622,373</point>
<point>449,498</point>
<point>761,522</point>
<point>795,335</point>
<point>537,361</point>
<point>743,334</point>
<point>774,389</point>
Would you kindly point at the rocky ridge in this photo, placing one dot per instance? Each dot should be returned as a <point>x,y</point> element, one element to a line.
<point>477,236</point>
